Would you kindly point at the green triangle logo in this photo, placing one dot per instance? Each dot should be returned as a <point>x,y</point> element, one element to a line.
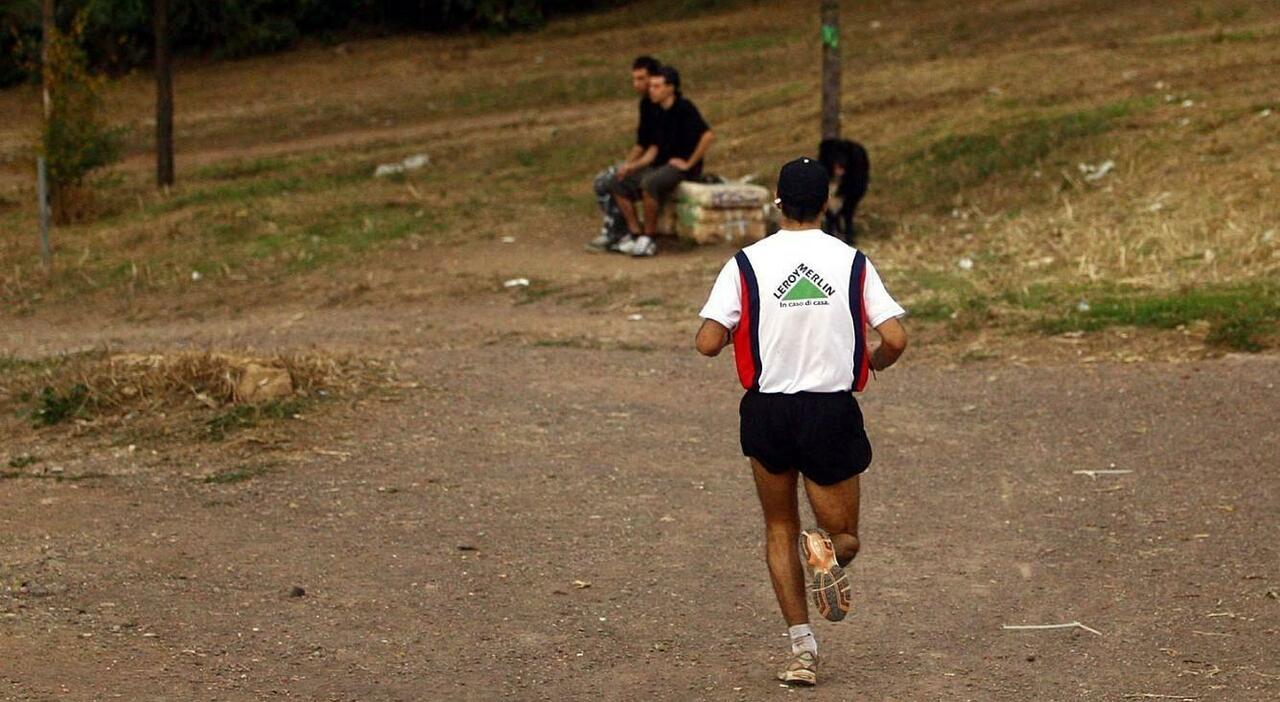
<point>804,290</point>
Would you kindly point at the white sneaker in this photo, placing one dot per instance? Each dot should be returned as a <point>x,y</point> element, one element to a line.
<point>802,669</point>
<point>601,242</point>
<point>625,245</point>
<point>644,246</point>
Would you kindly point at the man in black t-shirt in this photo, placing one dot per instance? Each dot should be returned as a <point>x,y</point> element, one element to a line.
<point>613,227</point>
<point>683,139</point>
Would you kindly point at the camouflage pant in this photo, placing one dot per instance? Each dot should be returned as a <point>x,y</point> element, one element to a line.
<point>613,225</point>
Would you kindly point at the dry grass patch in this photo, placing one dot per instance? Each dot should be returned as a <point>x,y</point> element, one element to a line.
<point>181,395</point>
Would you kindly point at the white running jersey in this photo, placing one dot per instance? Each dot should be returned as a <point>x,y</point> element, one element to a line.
<point>798,304</point>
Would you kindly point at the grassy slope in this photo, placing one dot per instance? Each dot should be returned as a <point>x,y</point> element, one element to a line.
<point>976,115</point>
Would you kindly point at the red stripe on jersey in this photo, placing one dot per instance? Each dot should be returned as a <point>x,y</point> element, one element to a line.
<point>742,351</point>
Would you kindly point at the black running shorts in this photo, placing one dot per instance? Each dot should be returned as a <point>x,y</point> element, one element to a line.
<point>818,433</point>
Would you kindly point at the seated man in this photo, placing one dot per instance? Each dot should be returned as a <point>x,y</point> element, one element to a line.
<point>614,227</point>
<point>683,140</point>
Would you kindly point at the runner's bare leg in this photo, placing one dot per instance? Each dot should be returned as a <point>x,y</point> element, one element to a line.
<point>782,533</point>
<point>836,508</point>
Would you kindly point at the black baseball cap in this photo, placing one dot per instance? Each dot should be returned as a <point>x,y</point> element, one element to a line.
<point>803,183</point>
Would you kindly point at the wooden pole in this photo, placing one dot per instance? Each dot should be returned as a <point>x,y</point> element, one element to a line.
<point>830,69</point>
<point>47,28</point>
<point>164,97</point>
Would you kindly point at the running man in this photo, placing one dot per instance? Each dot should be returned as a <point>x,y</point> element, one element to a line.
<point>796,307</point>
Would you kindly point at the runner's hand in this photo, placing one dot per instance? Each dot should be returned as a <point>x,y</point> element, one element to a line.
<point>679,163</point>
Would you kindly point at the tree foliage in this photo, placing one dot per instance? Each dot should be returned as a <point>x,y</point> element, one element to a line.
<point>118,33</point>
<point>75,139</point>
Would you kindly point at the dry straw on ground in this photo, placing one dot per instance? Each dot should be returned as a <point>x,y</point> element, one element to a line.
<point>107,384</point>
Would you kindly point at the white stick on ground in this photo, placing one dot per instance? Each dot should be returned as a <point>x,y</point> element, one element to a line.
<point>1095,473</point>
<point>1068,625</point>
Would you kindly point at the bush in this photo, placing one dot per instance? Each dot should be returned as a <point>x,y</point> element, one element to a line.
<point>75,140</point>
<point>53,407</point>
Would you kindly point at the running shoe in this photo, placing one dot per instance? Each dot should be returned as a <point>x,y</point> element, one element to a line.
<point>829,588</point>
<point>802,669</point>
<point>644,246</point>
<point>602,242</point>
<point>625,245</point>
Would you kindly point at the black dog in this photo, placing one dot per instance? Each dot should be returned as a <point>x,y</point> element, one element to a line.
<point>850,171</point>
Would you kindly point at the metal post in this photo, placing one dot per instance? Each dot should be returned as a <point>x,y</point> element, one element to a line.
<point>42,193</point>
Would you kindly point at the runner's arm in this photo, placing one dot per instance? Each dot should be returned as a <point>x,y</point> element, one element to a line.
<point>712,338</point>
<point>893,341</point>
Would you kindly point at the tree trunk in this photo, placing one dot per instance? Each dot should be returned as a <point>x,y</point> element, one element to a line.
<point>830,69</point>
<point>47,27</point>
<point>164,96</point>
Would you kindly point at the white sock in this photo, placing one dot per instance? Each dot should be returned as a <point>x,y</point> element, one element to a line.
<point>802,639</point>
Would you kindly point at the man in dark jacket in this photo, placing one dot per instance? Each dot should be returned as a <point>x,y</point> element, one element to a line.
<point>614,226</point>
<point>682,142</point>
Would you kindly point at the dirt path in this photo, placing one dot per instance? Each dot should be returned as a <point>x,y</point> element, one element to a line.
<point>439,535</point>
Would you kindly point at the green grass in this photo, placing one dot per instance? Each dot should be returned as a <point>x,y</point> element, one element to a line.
<point>931,309</point>
<point>772,97</point>
<point>51,406</point>
<point>349,228</point>
<point>1243,317</point>
<point>242,168</point>
<point>355,221</point>
<point>933,174</point>
<point>946,296</point>
<point>23,460</point>
<point>524,90</point>
<point>1220,36</point>
<point>238,417</point>
<point>500,92</point>
<point>1240,317</point>
<point>243,187</point>
<point>235,192</point>
<point>632,15</point>
<point>14,364</point>
<point>243,219</point>
<point>567,157</point>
